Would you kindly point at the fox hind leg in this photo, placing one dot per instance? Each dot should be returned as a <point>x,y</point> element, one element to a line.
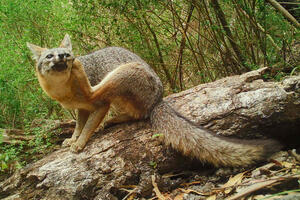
<point>123,117</point>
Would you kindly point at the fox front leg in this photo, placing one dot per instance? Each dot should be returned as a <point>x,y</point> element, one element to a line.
<point>82,116</point>
<point>93,121</point>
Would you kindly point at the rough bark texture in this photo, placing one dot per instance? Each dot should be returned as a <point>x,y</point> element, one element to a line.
<point>128,154</point>
<point>243,105</point>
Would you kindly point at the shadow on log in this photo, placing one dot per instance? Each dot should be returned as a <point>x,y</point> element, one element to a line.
<point>128,154</point>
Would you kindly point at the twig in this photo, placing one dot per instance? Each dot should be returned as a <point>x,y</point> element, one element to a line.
<point>130,192</point>
<point>261,29</point>
<point>284,12</point>
<point>294,153</point>
<point>156,190</point>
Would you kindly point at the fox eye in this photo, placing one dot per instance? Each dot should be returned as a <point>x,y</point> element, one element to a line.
<point>67,55</point>
<point>49,56</point>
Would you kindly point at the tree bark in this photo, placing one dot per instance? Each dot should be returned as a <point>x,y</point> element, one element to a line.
<point>128,154</point>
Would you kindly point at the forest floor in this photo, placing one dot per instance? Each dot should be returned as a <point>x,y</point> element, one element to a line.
<point>277,179</point>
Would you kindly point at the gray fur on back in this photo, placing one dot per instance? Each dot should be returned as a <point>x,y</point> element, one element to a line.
<point>99,63</point>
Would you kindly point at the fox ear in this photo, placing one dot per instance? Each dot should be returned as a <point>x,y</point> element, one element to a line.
<point>36,51</point>
<point>66,43</point>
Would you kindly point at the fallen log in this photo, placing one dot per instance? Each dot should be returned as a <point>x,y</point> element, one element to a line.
<point>14,136</point>
<point>127,155</point>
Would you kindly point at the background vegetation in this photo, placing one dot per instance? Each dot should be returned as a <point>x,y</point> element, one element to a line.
<point>186,42</point>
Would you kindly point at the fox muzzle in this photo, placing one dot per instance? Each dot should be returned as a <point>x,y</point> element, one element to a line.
<point>60,66</point>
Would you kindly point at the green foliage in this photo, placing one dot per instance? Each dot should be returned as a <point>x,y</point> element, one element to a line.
<point>25,21</point>
<point>18,153</point>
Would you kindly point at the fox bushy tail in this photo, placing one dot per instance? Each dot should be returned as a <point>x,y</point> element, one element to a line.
<point>200,143</point>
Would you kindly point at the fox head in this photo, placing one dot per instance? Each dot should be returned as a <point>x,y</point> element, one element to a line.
<point>56,61</point>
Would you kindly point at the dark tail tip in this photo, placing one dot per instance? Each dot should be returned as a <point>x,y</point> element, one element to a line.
<point>271,146</point>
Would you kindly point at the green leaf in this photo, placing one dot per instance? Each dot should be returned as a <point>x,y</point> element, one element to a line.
<point>157,135</point>
<point>296,68</point>
<point>6,159</point>
<point>4,166</point>
<point>153,164</point>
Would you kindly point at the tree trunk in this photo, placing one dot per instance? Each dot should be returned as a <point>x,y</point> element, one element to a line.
<point>128,154</point>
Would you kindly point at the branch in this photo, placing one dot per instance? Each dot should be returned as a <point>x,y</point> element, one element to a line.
<point>284,12</point>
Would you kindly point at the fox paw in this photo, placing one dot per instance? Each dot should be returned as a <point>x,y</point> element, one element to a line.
<point>68,142</point>
<point>76,147</point>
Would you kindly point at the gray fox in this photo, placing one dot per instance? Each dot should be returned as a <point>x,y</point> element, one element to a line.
<point>116,77</point>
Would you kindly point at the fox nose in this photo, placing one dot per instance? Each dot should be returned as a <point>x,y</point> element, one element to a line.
<point>61,56</point>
